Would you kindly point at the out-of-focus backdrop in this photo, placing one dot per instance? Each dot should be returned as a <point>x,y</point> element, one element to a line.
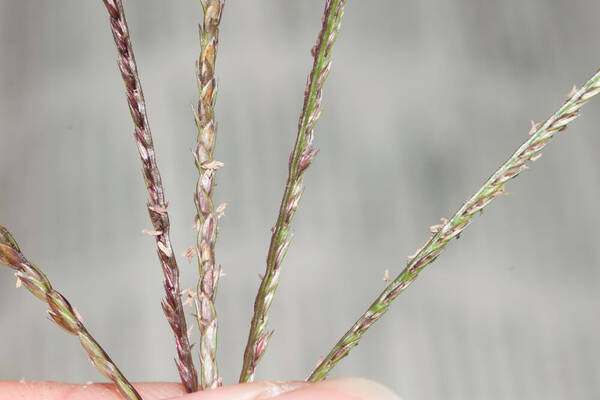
<point>424,101</point>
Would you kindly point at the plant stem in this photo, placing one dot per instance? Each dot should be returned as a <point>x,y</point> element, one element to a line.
<point>491,189</point>
<point>61,311</point>
<point>207,218</point>
<point>157,205</point>
<point>301,157</point>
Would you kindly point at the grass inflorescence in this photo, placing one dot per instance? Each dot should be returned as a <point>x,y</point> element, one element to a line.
<point>157,205</point>
<point>207,215</point>
<point>61,311</point>
<point>540,136</point>
<point>302,155</point>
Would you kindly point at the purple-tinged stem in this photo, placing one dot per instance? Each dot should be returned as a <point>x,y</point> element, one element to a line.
<point>157,205</point>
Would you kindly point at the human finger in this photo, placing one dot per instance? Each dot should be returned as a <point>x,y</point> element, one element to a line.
<point>332,389</point>
<point>10,390</point>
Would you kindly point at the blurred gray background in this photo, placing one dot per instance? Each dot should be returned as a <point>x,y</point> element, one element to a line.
<point>424,101</point>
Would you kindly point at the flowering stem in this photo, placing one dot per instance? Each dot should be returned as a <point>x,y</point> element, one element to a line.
<point>61,311</point>
<point>157,205</point>
<point>207,218</point>
<point>491,189</point>
<point>301,157</point>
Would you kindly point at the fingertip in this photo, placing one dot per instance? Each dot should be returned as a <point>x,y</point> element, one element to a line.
<point>332,389</point>
<point>344,388</point>
<point>262,390</point>
<point>11,390</point>
<point>363,388</point>
<point>159,390</point>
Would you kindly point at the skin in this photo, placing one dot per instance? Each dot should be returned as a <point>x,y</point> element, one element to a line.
<point>332,389</point>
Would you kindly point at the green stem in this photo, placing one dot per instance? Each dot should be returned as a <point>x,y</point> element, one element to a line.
<point>301,157</point>
<point>61,312</point>
<point>491,189</point>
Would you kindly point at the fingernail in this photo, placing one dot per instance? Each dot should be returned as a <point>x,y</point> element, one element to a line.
<point>272,390</point>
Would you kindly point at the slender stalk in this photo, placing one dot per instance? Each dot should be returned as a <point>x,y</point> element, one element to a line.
<point>157,205</point>
<point>301,157</point>
<point>491,189</point>
<point>207,218</point>
<point>61,311</point>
